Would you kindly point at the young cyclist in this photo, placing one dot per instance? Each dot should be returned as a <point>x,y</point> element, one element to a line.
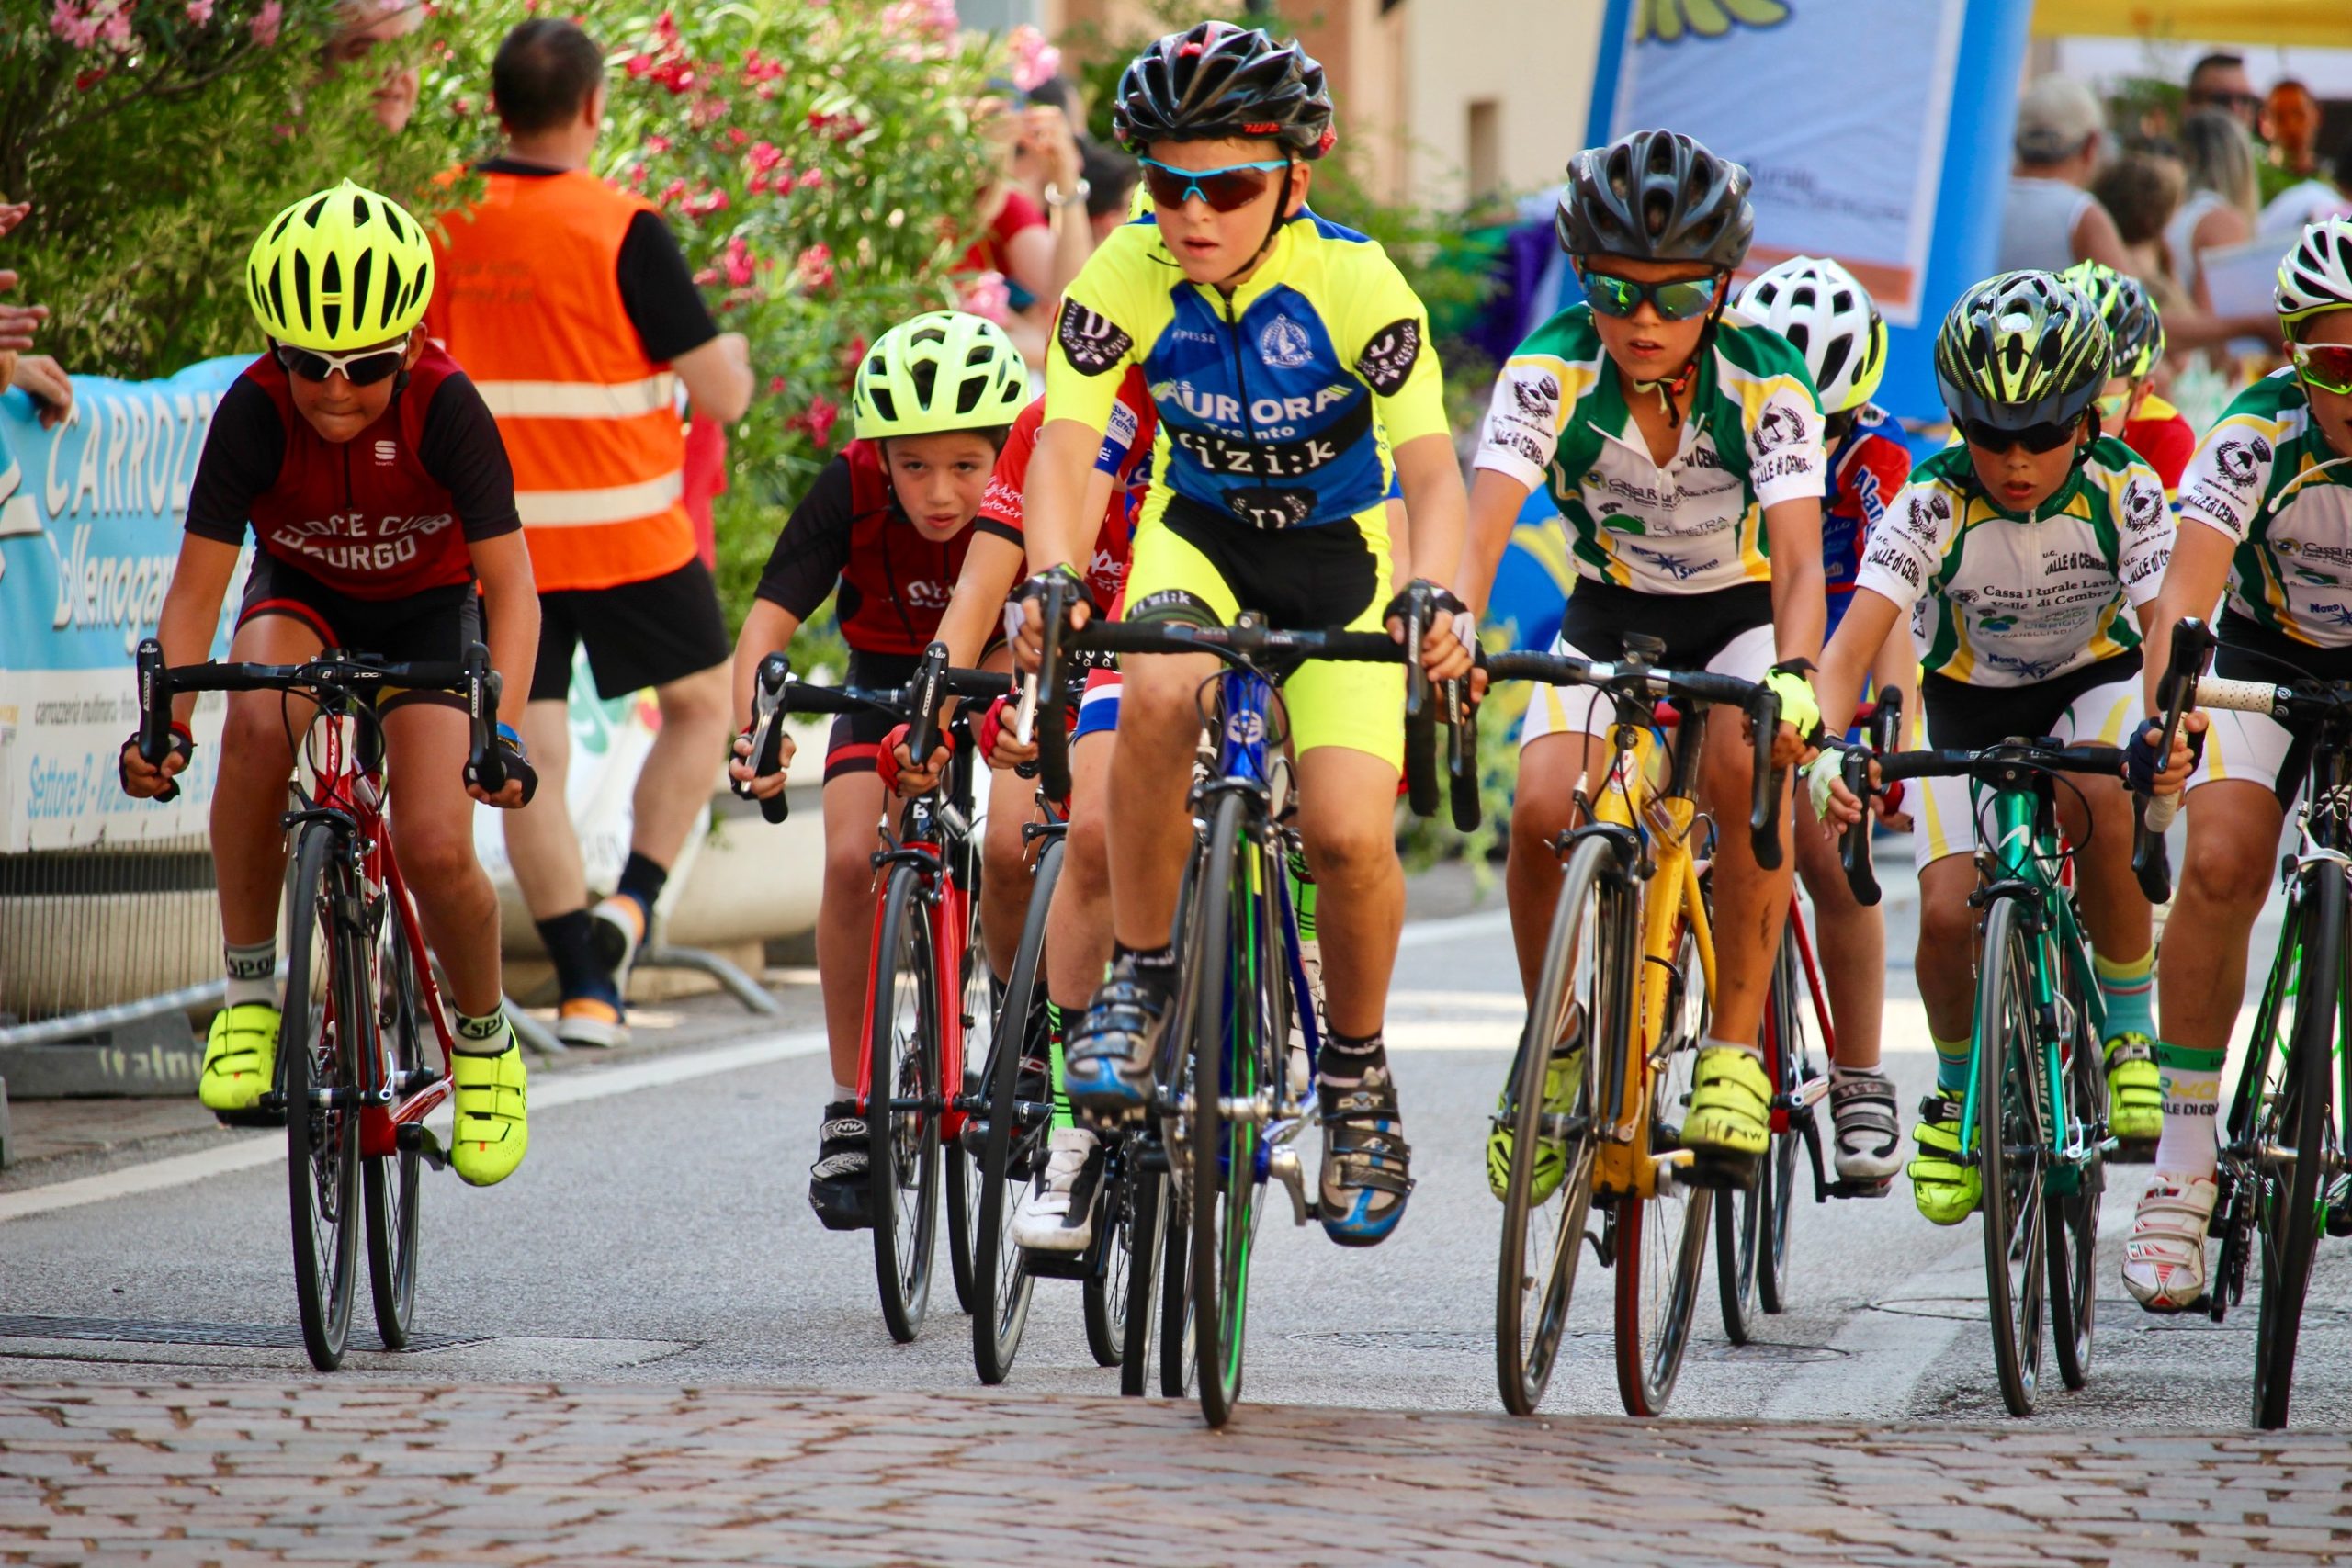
<point>2129,406</point>
<point>1682,444</point>
<point>883,531</point>
<point>1285,354</point>
<point>379,496</point>
<point>1828,317</point>
<point>2266,510</point>
<point>2029,551</point>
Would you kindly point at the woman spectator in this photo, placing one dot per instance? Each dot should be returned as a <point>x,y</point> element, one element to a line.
<point>2220,209</point>
<point>1035,257</point>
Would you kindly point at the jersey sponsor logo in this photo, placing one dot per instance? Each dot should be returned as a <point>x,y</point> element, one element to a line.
<point>1090,340</point>
<point>1784,465</point>
<point>1898,563</point>
<point>2308,549</point>
<point>2074,561</point>
<point>2236,460</point>
<point>1388,358</point>
<point>1266,415</point>
<point>925,595</point>
<point>1538,396</point>
<point>1003,500</point>
<point>1779,428</point>
<point>2332,614</point>
<point>1525,445</point>
<point>2150,565</point>
<point>2143,506</point>
<point>1119,434</point>
<point>1670,565</point>
<point>1285,344</point>
<point>1268,506</point>
<point>2203,500</point>
<point>1870,497</point>
<point>387,452</point>
<point>2026,670</point>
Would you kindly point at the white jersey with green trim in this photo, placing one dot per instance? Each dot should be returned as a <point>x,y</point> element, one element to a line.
<point>1559,420</point>
<point>2265,477</point>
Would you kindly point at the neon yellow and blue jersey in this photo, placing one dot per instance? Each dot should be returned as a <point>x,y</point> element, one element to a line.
<point>2265,476</point>
<point>1559,420</point>
<point>2000,600</point>
<point>1277,405</point>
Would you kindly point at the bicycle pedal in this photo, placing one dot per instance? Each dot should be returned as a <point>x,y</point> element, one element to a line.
<point>264,1117</point>
<point>1848,1187</point>
<point>428,1147</point>
<point>1716,1171</point>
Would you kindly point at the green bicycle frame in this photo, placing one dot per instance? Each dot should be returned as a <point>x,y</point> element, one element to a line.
<point>2024,846</point>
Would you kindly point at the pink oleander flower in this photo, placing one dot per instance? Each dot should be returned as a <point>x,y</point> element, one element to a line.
<point>738,263</point>
<point>200,12</point>
<point>776,385</point>
<point>266,21</point>
<point>764,156</point>
<point>1034,61</point>
<point>810,179</point>
<point>815,266</point>
<point>822,413</point>
<point>68,22</point>
<point>988,296</point>
<point>657,144</point>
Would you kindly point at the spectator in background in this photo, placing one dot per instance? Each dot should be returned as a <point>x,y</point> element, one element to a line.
<point>365,24</point>
<point>2050,221</point>
<point>40,378</point>
<point>2327,194</point>
<point>571,305</point>
<point>2141,191</point>
<point>1041,172</point>
<point>2218,82</point>
<point>1110,176</point>
<point>2219,208</point>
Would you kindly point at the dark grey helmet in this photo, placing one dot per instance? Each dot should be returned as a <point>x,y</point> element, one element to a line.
<point>1218,79</point>
<point>1656,195</point>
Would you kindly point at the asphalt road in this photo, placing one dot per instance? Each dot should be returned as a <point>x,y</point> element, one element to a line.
<point>659,1233</point>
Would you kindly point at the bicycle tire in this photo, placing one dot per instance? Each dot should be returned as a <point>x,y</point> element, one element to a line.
<point>1177,1352</point>
<point>1662,1239</point>
<point>1228,1056</point>
<point>1589,931</point>
<point>391,1182</point>
<point>2287,1216</point>
<point>1778,1180</point>
<point>322,1141</point>
<point>2008,1121</point>
<point>1752,1223</point>
<point>2072,1222</point>
<point>979,1003</point>
<point>1001,1282</point>
<point>1105,1291</point>
<point>1151,1202</point>
<point>903,1146</point>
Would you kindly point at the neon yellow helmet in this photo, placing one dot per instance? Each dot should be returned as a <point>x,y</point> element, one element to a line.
<point>2132,324</point>
<point>343,269</point>
<point>943,370</point>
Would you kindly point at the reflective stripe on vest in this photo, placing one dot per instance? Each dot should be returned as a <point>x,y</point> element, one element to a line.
<point>529,300</point>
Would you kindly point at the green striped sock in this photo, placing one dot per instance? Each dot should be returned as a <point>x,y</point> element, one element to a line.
<point>2129,991</point>
<point>1063,1116</point>
<point>1302,896</point>
<point>1951,1065</point>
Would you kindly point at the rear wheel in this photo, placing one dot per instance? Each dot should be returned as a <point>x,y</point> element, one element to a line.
<point>901,1119</point>
<point>1662,1239</point>
<point>1014,1147</point>
<point>980,1018</point>
<point>1233,1039</point>
<point>318,1054</point>
<point>2293,1146</point>
<point>2072,1223</point>
<point>1543,1239</point>
<point>1752,1223</point>
<point>2010,1141</point>
<point>1151,1205</point>
<point>391,1180</point>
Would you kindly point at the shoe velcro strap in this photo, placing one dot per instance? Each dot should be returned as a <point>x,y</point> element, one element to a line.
<point>2130,1048</point>
<point>1363,1159</point>
<point>843,1165</point>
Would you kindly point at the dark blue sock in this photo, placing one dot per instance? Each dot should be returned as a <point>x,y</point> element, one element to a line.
<point>642,880</point>
<point>570,945</point>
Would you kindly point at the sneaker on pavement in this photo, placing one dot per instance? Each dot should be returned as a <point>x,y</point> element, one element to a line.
<point>615,930</point>
<point>599,1021</point>
<point>1868,1128</point>
<point>837,1181</point>
<point>2135,1094</point>
<point>240,1057</point>
<point>2163,1258</point>
<point>1057,1212</point>
<point>1946,1190</point>
<point>492,1132</point>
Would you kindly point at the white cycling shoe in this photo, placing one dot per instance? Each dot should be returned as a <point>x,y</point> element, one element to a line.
<point>2164,1261</point>
<point>1057,1212</point>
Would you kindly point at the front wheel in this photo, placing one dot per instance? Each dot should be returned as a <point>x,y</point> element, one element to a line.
<point>2010,1147</point>
<point>2293,1146</point>
<point>1014,1147</point>
<point>391,1180</point>
<point>902,1113</point>
<point>1662,1239</point>
<point>2072,1223</point>
<point>319,1044</point>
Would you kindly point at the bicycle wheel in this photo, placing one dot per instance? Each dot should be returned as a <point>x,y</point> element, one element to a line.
<point>1752,1224</point>
<point>1014,1147</point>
<point>2292,1146</point>
<point>902,1119</point>
<point>391,1182</point>
<point>1230,1034</point>
<point>2010,1143</point>
<point>1662,1239</point>
<point>980,1022</point>
<point>317,1060</point>
<point>1178,1356</point>
<point>1109,1285</point>
<point>1150,1205</point>
<point>1543,1239</point>
<point>2076,1190</point>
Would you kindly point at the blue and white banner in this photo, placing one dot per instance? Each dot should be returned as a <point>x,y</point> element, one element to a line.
<point>90,522</point>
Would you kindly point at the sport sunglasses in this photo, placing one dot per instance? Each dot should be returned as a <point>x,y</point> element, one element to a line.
<point>1228,189</point>
<point>2327,366</point>
<point>1676,301</point>
<point>359,369</point>
<point>2034,438</point>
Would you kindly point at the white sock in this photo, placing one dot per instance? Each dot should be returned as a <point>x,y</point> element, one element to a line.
<point>2192,1088</point>
<point>252,972</point>
<point>844,1091</point>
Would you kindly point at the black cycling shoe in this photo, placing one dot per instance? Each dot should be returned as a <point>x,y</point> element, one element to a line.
<point>1367,1165</point>
<point>837,1182</point>
<point>1106,1064</point>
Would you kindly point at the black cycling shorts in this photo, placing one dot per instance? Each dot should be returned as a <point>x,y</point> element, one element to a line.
<point>435,625</point>
<point>1969,719</point>
<point>637,634</point>
<point>856,740</point>
<point>1695,627</point>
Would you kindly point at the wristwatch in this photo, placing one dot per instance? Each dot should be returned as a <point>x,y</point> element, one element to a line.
<point>1056,198</point>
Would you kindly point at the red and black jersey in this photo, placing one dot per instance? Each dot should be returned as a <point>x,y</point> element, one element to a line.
<point>1124,454</point>
<point>849,534</point>
<point>387,514</point>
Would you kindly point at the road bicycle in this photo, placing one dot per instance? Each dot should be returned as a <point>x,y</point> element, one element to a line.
<point>2283,1167</point>
<point>350,1082</point>
<point>2034,1114</point>
<point>1627,974</point>
<point>1227,1106</point>
<point>930,1001</point>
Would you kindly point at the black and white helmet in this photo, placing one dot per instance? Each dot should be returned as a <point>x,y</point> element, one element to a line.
<point>1215,80</point>
<point>1656,195</point>
<point>1827,316</point>
<point>2316,274</point>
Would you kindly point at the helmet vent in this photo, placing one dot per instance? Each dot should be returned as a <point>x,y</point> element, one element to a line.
<point>318,209</point>
<point>1833,355</point>
<point>302,289</point>
<point>359,213</point>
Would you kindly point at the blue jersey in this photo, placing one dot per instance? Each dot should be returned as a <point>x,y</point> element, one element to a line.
<point>1869,469</point>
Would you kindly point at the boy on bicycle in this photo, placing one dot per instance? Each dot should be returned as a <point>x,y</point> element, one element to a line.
<point>1682,444</point>
<point>2129,407</point>
<point>2266,510</point>
<point>883,531</point>
<point>2030,554</point>
<point>1285,354</point>
<point>380,496</point>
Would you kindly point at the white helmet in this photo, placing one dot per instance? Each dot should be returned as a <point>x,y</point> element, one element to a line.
<point>2317,274</point>
<point>1819,308</point>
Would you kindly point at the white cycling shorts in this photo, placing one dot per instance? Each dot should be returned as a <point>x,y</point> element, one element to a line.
<point>1944,819</point>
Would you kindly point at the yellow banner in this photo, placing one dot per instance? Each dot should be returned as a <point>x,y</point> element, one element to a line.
<point>2324,24</point>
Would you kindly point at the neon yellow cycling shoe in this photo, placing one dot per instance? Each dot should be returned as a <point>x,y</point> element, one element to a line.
<point>240,1057</point>
<point>1946,1190</point>
<point>2135,1093</point>
<point>1562,1077</point>
<point>1729,1124</point>
<point>491,1134</point>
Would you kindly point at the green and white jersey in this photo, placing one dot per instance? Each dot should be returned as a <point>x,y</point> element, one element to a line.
<point>2266,476</point>
<point>1559,422</point>
<point>2001,600</point>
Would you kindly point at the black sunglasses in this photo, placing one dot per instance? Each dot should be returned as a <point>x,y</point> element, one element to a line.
<point>359,369</point>
<point>2034,438</point>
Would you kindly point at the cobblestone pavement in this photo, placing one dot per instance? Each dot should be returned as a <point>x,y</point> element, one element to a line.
<point>111,1474</point>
